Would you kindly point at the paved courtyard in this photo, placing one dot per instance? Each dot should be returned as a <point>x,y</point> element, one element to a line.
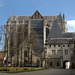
<point>46,72</point>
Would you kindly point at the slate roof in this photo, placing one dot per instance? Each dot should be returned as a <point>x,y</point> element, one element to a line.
<point>56,36</point>
<point>55,31</point>
<point>68,35</point>
<point>50,18</point>
<point>59,41</point>
<point>21,18</point>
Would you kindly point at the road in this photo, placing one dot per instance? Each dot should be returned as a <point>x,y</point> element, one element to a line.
<point>46,72</point>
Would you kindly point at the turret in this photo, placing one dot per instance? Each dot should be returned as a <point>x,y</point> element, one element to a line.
<point>63,17</point>
<point>13,17</point>
<point>9,21</point>
<point>60,14</point>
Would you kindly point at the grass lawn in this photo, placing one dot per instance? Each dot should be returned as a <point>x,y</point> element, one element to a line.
<point>20,70</point>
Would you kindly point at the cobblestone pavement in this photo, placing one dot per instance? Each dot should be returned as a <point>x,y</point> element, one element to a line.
<point>46,72</point>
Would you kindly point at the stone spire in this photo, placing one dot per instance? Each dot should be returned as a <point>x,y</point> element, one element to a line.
<point>63,17</point>
<point>60,14</point>
<point>9,20</point>
<point>13,16</point>
<point>60,17</point>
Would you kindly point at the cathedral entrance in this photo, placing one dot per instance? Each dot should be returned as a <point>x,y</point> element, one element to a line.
<point>66,65</point>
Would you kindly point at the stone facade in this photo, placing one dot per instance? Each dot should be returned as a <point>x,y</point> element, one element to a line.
<point>47,49</point>
<point>59,46</point>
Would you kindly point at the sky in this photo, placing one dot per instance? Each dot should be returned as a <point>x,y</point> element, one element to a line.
<point>45,7</point>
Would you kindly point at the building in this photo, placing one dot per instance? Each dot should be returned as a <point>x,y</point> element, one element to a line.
<point>59,47</point>
<point>38,39</point>
<point>2,57</point>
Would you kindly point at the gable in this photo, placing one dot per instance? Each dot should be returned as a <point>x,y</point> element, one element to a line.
<point>36,15</point>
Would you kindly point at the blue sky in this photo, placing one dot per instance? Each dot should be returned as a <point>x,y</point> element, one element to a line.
<point>45,7</point>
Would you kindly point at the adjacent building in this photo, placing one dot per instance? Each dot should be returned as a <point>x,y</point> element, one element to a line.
<point>59,47</point>
<point>2,58</point>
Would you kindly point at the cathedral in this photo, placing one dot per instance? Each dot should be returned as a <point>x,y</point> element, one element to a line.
<point>40,40</point>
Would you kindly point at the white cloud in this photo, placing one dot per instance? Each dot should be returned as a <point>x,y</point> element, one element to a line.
<point>1,4</point>
<point>71,25</point>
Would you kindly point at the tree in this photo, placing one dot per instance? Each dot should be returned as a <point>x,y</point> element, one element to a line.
<point>19,35</point>
<point>4,41</point>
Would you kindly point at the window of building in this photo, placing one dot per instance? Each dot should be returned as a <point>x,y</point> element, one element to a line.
<point>47,32</point>
<point>74,52</point>
<point>66,52</point>
<point>68,45</point>
<point>53,52</point>
<point>57,63</point>
<point>50,63</point>
<point>49,45</point>
<point>63,45</point>
<point>59,52</point>
<point>58,45</point>
<point>54,45</point>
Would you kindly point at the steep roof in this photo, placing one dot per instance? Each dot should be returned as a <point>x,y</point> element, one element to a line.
<point>52,18</point>
<point>59,41</point>
<point>39,16</point>
<point>56,36</point>
<point>68,35</point>
<point>48,17</point>
<point>55,31</point>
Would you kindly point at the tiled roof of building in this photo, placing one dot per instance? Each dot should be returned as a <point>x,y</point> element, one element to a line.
<point>36,15</point>
<point>21,18</point>
<point>68,35</point>
<point>50,18</point>
<point>61,37</point>
<point>55,31</point>
<point>59,41</point>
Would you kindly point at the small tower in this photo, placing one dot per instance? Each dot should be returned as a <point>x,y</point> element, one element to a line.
<point>9,21</point>
<point>60,17</point>
<point>13,17</point>
<point>60,14</point>
<point>63,17</point>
